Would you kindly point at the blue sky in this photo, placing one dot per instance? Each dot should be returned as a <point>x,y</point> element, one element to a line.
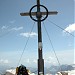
<point>15,30</point>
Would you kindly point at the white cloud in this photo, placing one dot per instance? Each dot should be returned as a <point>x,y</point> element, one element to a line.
<point>70,28</point>
<point>4,27</point>
<point>32,34</point>
<point>12,29</point>
<point>50,60</point>
<point>17,28</point>
<point>2,61</point>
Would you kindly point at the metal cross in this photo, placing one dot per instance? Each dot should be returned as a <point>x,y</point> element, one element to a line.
<point>38,19</point>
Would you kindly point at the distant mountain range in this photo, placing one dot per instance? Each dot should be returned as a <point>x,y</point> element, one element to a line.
<point>52,69</point>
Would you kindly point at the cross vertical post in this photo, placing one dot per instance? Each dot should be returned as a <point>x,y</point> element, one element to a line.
<point>40,56</point>
<point>39,19</point>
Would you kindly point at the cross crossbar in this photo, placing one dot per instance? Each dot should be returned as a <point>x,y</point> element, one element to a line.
<point>43,13</point>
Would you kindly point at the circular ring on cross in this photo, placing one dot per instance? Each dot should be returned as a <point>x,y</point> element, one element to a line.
<point>38,14</point>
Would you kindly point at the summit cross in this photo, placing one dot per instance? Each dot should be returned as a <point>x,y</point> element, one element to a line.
<point>39,19</point>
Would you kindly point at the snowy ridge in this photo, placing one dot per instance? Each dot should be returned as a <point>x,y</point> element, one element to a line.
<point>13,72</point>
<point>72,72</point>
